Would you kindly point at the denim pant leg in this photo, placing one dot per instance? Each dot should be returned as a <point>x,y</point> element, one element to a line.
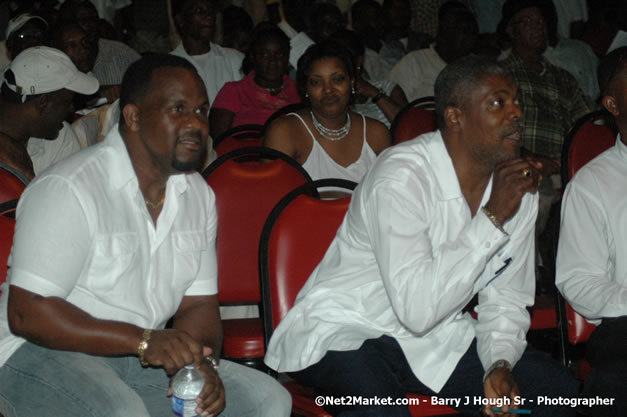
<point>251,393</point>
<point>42,382</point>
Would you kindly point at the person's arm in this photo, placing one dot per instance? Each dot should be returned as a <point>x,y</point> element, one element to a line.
<point>220,120</point>
<point>280,136</point>
<point>583,257</point>
<point>390,105</point>
<point>400,211</point>
<point>377,135</point>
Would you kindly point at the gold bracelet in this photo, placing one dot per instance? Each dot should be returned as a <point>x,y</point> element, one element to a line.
<point>493,219</point>
<point>143,345</point>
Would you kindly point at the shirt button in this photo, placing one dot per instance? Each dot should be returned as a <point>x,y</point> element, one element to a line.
<point>487,245</point>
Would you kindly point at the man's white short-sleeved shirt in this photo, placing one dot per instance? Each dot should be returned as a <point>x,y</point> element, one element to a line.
<point>406,260</point>
<point>84,234</point>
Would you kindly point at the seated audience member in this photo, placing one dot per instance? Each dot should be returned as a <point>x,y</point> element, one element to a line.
<point>326,19</point>
<point>550,96</point>
<point>424,17</point>
<point>367,21</point>
<point>457,34</point>
<point>263,91</point>
<point>327,138</point>
<point>216,65</point>
<point>378,99</point>
<point>137,220</point>
<point>113,57</point>
<point>35,99</point>
<point>237,29</point>
<point>591,267</point>
<point>397,16</point>
<point>436,221</point>
<point>23,32</point>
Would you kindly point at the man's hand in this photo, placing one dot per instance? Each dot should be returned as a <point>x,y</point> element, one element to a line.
<point>173,349</point>
<point>211,400</point>
<point>511,180</point>
<point>549,166</point>
<point>500,384</point>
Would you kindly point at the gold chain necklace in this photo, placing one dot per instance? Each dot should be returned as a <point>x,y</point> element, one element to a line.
<point>154,205</point>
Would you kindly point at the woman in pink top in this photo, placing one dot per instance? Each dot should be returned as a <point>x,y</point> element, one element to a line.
<point>263,91</point>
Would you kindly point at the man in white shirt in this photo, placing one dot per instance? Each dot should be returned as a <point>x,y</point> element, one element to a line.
<point>591,262</point>
<point>457,34</point>
<point>438,220</point>
<point>216,65</point>
<point>111,244</point>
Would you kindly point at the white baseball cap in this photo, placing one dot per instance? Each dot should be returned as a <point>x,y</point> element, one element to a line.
<point>17,22</point>
<point>41,70</point>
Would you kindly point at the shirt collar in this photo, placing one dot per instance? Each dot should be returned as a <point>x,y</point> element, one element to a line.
<point>122,172</point>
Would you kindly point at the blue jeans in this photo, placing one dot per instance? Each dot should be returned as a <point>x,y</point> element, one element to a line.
<point>41,382</point>
<point>379,369</point>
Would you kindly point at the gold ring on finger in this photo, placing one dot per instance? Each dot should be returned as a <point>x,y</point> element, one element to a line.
<point>526,172</point>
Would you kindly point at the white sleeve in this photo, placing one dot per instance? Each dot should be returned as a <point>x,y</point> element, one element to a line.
<point>52,239</point>
<point>583,258</point>
<point>503,319</point>
<point>425,284</point>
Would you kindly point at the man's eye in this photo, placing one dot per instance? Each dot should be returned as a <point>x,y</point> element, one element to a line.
<point>178,108</point>
<point>498,102</point>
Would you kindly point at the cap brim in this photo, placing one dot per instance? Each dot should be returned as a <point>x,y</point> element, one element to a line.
<point>83,84</point>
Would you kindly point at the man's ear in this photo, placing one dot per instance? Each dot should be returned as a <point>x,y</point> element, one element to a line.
<point>131,117</point>
<point>452,117</point>
<point>609,102</point>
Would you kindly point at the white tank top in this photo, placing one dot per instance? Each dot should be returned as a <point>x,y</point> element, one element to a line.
<point>320,165</point>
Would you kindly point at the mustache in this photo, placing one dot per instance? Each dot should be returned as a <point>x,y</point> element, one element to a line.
<point>514,128</point>
<point>192,133</point>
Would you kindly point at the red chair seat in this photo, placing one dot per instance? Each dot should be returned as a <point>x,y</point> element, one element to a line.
<point>243,338</point>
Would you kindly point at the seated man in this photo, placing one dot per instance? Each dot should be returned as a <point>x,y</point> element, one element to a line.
<point>436,221</point>
<point>591,269</point>
<point>109,245</point>
<point>457,34</point>
<point>35,99</point>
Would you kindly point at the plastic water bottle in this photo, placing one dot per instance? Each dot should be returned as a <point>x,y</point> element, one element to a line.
<point>186,386</point>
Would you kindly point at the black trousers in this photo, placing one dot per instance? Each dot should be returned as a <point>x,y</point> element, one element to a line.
<point>379,369</point>
<point>607,354</point>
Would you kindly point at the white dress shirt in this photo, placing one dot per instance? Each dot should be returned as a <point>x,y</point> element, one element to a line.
<point>591,258</point>
<point>84,234</point>
<point>417,71</point>
<point>216,68</point>
<point>405,262</point>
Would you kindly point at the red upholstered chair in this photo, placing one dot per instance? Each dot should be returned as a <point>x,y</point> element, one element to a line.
<point>416,118</point>
<point>238,137</point>
<point>590,136</point>
<point>574,330</point>
<point>7,208</point>
<point>11,187</point>
<point>247,183</point>
<point>7,225</point>
<point>294,239</point>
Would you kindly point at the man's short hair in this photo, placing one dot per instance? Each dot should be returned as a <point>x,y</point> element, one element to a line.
<point>178,6</point>
<point>459,79</point>
<point>138,77</point>
<point>611,65</point>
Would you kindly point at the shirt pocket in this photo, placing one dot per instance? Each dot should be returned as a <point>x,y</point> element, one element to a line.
<point>188,250</point>
<point>114,257</point>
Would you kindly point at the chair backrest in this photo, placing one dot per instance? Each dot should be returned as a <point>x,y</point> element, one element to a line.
<point>247,183</point>
<point>290,108</point>
<point>7,226</point>
<point>579,329</point>
<point>11,187</point>
<point>295,237</point>
<point>8,208</point>
<point>416,118</point>
<point>590,136</point>
<point>237,137</point>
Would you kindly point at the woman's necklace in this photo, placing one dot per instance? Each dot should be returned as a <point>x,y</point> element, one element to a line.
<point>332,134</point>
<point>274,90</point>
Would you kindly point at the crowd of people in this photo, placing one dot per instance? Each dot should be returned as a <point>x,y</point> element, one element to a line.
<point>107,113</point>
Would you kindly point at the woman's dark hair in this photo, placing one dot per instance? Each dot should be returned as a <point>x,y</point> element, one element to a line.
<point>263,32</point>
<point>325,49</point>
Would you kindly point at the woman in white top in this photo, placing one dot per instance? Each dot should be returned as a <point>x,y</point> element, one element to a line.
<point>328,138</point>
